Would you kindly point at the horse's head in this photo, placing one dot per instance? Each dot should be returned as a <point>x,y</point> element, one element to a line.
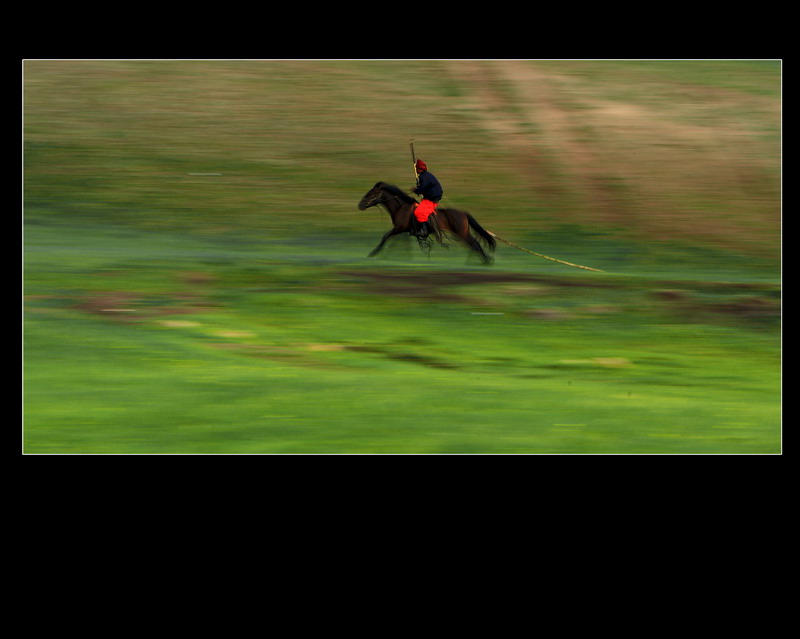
<point>373,197</point>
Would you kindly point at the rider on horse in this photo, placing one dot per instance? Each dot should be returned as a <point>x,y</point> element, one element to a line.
<point>431,191</point>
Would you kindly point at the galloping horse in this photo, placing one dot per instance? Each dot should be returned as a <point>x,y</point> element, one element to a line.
<point>401,206</point>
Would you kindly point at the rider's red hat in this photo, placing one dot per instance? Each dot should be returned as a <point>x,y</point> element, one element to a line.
<point>421,165</point>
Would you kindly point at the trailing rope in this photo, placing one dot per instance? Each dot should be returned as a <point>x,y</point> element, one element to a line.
<point>552,259</point>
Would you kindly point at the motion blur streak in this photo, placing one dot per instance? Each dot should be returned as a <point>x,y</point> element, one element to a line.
<point>196,280</point>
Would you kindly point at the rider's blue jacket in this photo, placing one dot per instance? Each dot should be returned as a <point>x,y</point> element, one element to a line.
<point>429,187</point>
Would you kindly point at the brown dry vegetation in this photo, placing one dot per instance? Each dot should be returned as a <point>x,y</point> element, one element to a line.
<point>668,160</point>
<point>661,149</point>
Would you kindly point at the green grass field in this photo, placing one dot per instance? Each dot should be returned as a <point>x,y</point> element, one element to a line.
<point>196,281</point>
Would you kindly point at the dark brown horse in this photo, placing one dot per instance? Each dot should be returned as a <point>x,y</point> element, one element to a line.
<point>400,206</point>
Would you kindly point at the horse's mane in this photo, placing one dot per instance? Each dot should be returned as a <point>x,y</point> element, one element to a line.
<point>391,188</point>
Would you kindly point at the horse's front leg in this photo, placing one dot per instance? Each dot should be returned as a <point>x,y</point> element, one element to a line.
<point>386,236</point>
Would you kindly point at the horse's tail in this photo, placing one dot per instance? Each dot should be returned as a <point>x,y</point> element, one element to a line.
<point>487,239</point>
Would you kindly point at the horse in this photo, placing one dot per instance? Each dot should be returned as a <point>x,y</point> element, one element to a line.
<point>400,207</point>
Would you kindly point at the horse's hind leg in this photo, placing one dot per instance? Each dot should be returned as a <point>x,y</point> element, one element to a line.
<point>476,246</point>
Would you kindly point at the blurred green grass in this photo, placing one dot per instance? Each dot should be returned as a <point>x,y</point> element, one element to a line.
<point>195,276</point>
<point>202,346</point>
